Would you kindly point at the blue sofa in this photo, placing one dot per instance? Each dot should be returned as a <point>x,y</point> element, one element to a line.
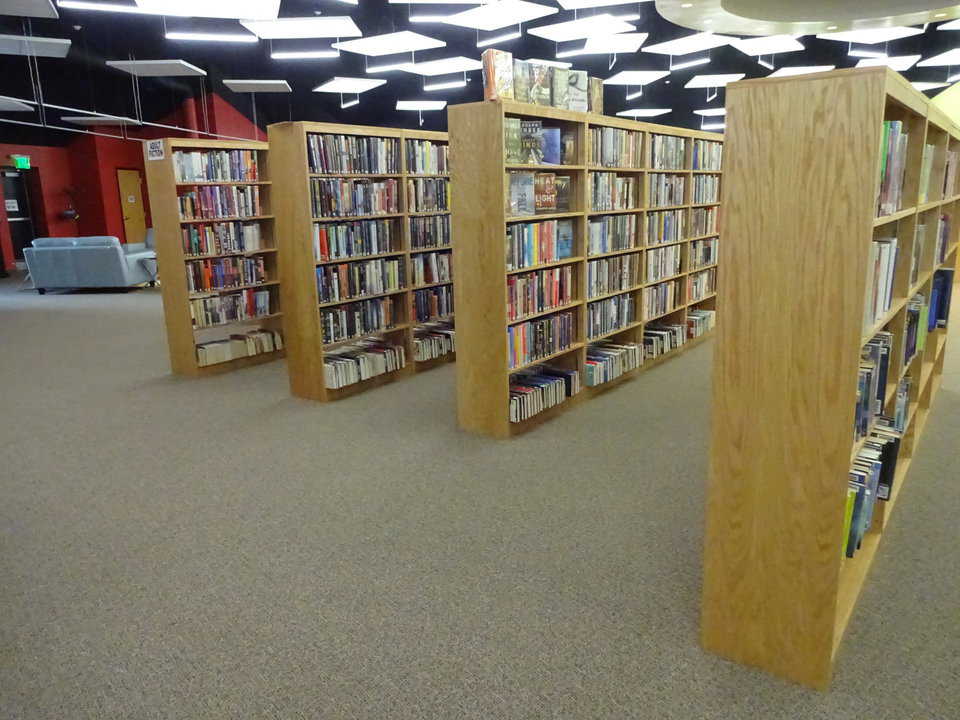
<point>88,262</point>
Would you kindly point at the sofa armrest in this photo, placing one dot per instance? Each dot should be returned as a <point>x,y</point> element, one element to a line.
<point>131,248</point>
<point>141,266</point>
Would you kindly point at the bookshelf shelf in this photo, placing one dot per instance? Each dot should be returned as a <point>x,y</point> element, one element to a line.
<point>178,240</point>
<point>484,375</point>
<point>311,354</point>
<point>782,565</point>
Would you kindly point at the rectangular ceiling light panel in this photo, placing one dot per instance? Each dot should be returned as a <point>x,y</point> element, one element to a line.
<point>644,112</point>
<point>770,45</point>
<point>258,86</point>
<point>445,66</point>
<point>603,24</point>
<point>871,37</point>
<point>9,104</point>
<point>496,15</point>
<point>900,63</point>
<point>390,44</point>
<point>29,8</point>
<point>636,77</point>
<point>801,70</point>
<point>584,4</point>
<point>332,26</point>
<point>689,44</point>
<point>156,68</point>
<point>612,44</point>
<point>39,46</point>
<point>713,81</point>
<point>950,57</point>
<point>421,104</point>
<point>229,9</point>
<point>711,112</point>
<point>349,85</point>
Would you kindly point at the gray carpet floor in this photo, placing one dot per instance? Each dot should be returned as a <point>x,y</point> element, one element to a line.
<point>215,548</point>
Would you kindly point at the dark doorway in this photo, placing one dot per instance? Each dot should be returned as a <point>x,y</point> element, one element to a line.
<point>17,203</point>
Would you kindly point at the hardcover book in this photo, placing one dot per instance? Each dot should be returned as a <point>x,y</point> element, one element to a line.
<point>564,238</point>
<point>561,82</point>
<point>551,145</point>
<point>568,147</point>
<point>497,74</point>
<point>596,95</point>
<point>522,193</point>
<point>545,192</point>
<point>577,91</point>
<point>521,80</point>
<point>511,141</point>
<point>562,185</point>
<point>531,141</point>
<point>540,83</point>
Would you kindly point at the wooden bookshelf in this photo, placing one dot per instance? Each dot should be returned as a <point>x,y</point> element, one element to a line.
<point>304,338</point>
<point>480,219</point>
<point>172,261</point>
<point>800,197</point>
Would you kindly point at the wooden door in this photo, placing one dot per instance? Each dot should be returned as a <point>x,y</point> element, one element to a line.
<point>131,204</point>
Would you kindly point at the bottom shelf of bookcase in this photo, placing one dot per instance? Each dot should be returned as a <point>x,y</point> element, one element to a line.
<point>238,363</point>
<point>424,365</point>
<point>364,385</point>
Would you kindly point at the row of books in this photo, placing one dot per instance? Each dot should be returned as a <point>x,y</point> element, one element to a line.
<point>221,238</point>
<point>881,268</point>
<point>662,298</point>
<point>609,315</point>
<point>353,239</point>
<point>529,193</point>
<point>434,340</point>
<point>224,273</point>
<point>425,157</point>
<point>943,239</point>
<point>430,232</point>
<point>700,322</point>
<point>240,345</point>
<point>433,267</point>
<point>893,165</point>
<point>926,166</point>
<point>433,303</point>
<point>535,292</point>
<point>665,226</point>
<point>703,221</point>
<point>703,252</point>
<point>663,262</point>
<point>613,274</point>
<point>871,479</point>
<point>950,174</point>
<point>534,243</point>
<point>215,165</point>
<point>701,284</point>
<point>540,388</point>
<point>872,377</point>
<point>916,327</point>
<point>336,197</point>
<point>609,191</point>
<point>902,403</point>
<point>940,291</point>
<point>363,360</point>
<point>665,190</point>
<point>530,142</point>
<point>660,338</point>
<point>220,201</point>
<point>346,281</point>
<point>247,304</point>
<point>331,154</point>
<point>667,152</point>
<point>357,319</point>
<point>707,155</point>
<point>607,361</point>
<point>706,188</point>
<point>428,194</point>
<point>613,147</point>
<point>611,233</point>
<point>506,78</point>
<point>535,339</point>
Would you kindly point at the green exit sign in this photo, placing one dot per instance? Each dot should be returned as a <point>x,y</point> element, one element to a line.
<point>21,162</point>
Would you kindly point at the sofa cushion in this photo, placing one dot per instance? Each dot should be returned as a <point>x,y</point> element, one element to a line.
<point>98,241</point>
<point>49,242</point>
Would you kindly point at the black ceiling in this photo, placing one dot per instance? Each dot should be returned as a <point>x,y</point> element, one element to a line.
<point>83,81</point>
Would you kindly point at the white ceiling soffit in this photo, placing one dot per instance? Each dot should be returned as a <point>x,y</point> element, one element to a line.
<point>331,26</point>
<point>9,104</point>
<point>33,45</point>
<point>258,86</point>
<point>767,45</point>
<point>444,66</point>
<point>349,85</point>
<point>28,8</point>
<point>689,44</point>
<point>229,9</point>
<point>156,68</point>
<point>636,77</point>
<point>603,24</point>
<point>810,17</point>
<point>500,14</point>
<point>390,44</point>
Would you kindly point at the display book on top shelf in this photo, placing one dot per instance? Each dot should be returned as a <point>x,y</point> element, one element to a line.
<point>210,202</point>
<point>550,284</point>
<point>365,254</point>
<point>812,414</point>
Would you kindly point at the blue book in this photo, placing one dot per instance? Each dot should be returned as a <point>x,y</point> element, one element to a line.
<point>551,145</point>
<point>564,238</point>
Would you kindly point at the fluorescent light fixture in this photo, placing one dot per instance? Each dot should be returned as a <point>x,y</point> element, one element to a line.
<point>436,2</point>
<point>258,86</point>
<point>104,7</point>
<point>304,54</point>
<point>98,120</point>
<point>689,44</point>
<point>603,24</point>
<point>444,66</point>
<point>634,95</point>
<point>866,53</point>
<point>872,37</point>
<point>571,52</point>
<point>156,68</point>
<point>711,112</point>
<point>950,57</point>
<point>644,112</point>
<point>421,105</point>
<point>349,85</point>
<point>324,26</point>
<point>29,8</point>
<point>899,63</point>
<point>229,9</point>
<point>33,45</point>
<point>500,14</point>
<point>9,104</point>
<point>952,25</point>
<point>445,85</point>
<point>390,44</point>
<point>428,18</point>
<point>613,44</point>
<point>499,39</point>
<point>924,86</point>
<point>388,67</point>
<point>583,4</point>
<point>953,78</point>
<point>770,45</point>
<point>713,126</point>
<point>636,77</point>
<point>713,81</point>
<point>550,63</point>
<point>800,70</point>
<point>212,37</point>
<point>690,63</point>
<point>344,104</point>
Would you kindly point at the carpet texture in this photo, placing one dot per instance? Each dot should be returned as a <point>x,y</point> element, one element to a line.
<point>216,548</point>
